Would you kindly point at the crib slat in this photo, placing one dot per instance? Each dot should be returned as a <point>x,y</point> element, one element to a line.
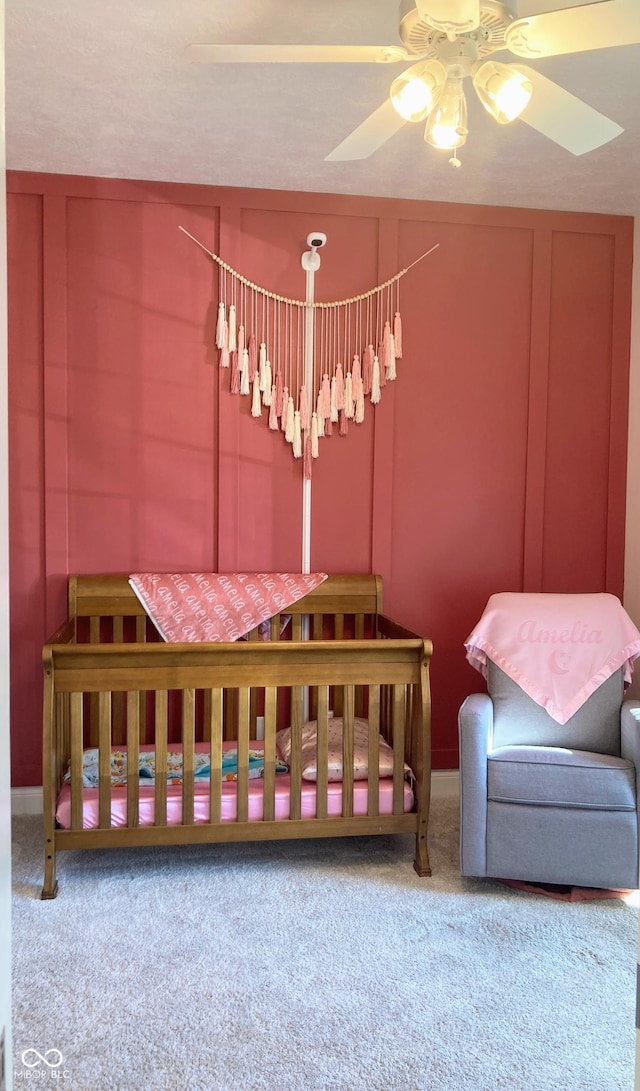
<point>243,754</point>
<point>104,760</point>
<point>160,817</point>
<point>373,757</point>
<point>347,751</point>
<point>188,754</point>
<point>133,758</point>
<point>322,755</point>
<point>214,731</point>
<point>295,771</point>
<point>296,627</point>
<point>76,760</point>
<point>118,699</point>
<point>399,713</point>
<point>270,726</point>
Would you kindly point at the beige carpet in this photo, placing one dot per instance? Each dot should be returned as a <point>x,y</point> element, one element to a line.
<point>312,965</point>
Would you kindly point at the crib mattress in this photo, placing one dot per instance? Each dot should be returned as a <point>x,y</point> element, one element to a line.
<point>228,800</point>
<point>228,806</point>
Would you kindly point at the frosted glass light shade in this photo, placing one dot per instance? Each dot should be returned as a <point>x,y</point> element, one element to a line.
<point>414,92</point>
<point>503,90</point>
<point>447,124</point>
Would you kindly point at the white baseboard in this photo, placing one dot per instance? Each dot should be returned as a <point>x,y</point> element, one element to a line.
<point>444,785</point>
<point>26,801</point>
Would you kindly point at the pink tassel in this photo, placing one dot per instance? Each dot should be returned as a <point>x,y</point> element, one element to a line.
<point>252,356</point>
<point>285,410</point>
<point>397,335</point>
<point>241,341</point>
<point>382,368</point>
<point>326,397</point>
<point>339,387</point>
<point>279,394</point>
<point>273,413</point>
<point>386,341</point>
<point>390,372</point>
<point>244,374</point>
<point>314,436</point>
<point>262,363</point>
<point>220,326</point>
<point>256,407</point>
<point>297,434</point>
<point>319,416</point>
<point>289,421</point>
<point>375,381</point>
<point>367,368</point>
<point>304,409</point>
<point>359,410</point>
<point>308,461</point>
<point>328,427</point>
<point>344,427</point>
<point>233,344</point>
<point>235,375</point>
<point>224,351</point>
<point>333,415</point>
<point>266,397</point>
<point>348,396</point>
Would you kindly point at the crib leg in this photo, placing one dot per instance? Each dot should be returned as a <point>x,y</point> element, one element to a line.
<point>50,888</point>
<point>421,862</point>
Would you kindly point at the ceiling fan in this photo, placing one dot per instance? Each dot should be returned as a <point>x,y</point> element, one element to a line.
<point>447,42</point>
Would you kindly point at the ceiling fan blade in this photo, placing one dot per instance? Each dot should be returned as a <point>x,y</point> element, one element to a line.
<point>562,117</point>
<point>379,127</point>
<point>295,54</point>
<point>574,30</point>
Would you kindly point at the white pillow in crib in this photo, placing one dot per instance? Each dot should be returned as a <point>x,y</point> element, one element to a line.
<point>360,750</point>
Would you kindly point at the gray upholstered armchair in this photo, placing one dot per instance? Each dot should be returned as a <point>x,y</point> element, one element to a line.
<point>546,802</point>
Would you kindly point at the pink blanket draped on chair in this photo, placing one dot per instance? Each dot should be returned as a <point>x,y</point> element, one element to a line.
<point>558,648</point>
<point>189,607</point>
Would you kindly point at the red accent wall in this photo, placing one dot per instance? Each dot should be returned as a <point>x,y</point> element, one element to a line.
<point>495,462</point>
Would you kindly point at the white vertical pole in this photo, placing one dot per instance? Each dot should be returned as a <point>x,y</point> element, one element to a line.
<point>310,264</point>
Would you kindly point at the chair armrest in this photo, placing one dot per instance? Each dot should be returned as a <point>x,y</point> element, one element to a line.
<point>475,731</point>
<point>630,732</point>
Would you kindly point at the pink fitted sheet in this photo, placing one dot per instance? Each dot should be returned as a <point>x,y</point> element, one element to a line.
<point>228,808</point>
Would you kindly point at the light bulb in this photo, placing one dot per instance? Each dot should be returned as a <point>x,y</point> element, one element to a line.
<point>447,124</point>
<point>414,92</point>
<point>503,90</point>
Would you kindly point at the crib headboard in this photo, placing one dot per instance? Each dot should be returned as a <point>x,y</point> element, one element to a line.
<point>111,596</point>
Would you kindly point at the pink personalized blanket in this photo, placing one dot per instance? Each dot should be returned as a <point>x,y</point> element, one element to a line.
<point>189,607</point>
<point>558,648</point>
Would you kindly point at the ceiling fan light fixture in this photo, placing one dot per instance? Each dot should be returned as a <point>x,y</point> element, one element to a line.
<point>503,90</point>
<point>447,123</point>
<point>415,91</point>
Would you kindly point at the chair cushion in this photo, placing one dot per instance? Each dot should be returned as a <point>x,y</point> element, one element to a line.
<point>556,777</point>
<point>518,720</point>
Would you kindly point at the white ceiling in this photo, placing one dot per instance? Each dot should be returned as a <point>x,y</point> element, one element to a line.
<point>101,87</point>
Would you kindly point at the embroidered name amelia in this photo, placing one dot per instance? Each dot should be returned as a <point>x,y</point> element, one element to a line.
<point>532,633</point>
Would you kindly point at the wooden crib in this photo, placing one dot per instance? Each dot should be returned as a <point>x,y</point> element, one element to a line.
<point>112,686</point>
